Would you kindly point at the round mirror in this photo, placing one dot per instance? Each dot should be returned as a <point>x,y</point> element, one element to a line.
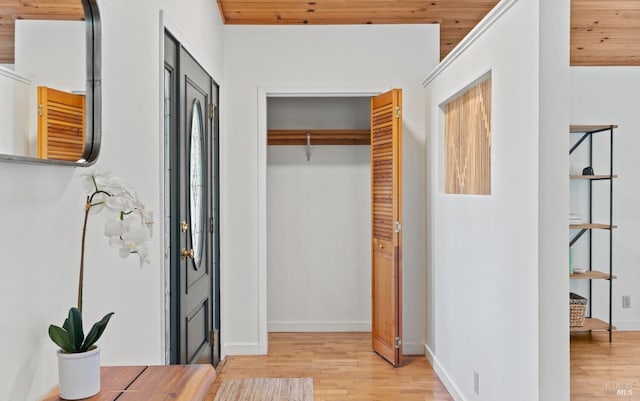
<point>196,183</point>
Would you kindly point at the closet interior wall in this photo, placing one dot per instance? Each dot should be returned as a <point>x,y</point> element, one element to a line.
<point>318,219</point>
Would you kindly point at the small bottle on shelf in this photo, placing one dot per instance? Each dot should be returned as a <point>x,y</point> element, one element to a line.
<point>570,261</point>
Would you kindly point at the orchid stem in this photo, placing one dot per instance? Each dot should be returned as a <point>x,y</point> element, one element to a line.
<point>84,235</point>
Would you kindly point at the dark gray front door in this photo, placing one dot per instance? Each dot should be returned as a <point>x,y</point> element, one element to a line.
<point>194,251</point>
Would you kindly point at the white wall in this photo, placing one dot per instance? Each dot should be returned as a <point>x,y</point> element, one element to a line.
<point>14,112</point>
<point>52,53</point>
<point>41,210</point>
<point>484,250</point>
<point>610,95</point>
<point>318,113</point>
<point>319,238</point>
<point>553,198</point>
<point>319,220</point>
<point>315,58</point>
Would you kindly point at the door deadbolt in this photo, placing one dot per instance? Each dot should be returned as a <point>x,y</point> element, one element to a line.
<point>184,226</point>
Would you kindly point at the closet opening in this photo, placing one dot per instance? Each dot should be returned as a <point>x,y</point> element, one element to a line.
<point>318,212</point>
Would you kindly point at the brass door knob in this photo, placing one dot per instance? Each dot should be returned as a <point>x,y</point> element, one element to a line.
<point>186,253</point>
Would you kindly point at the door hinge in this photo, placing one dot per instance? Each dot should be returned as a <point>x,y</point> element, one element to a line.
<point>397,227</point>
<point>398,342</point>
<point>214,338</point>
<point>212,110</point>
<point>398,112</point>
<point>212,224</point>
<point>40,110</point>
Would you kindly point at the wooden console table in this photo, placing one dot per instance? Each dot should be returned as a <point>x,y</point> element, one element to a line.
<point>142,383</point>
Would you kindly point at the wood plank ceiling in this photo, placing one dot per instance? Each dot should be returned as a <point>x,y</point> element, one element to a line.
<point>603,32</point>
<point>456,17</point>
<point>11,10</point>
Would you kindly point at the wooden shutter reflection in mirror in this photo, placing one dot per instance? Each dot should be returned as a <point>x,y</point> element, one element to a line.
<point>61,124</point>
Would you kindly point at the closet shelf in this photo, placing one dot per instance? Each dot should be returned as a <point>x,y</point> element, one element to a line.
<point>319,137</point>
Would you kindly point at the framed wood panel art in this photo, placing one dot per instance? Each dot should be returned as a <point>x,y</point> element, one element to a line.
<point>468,141</point>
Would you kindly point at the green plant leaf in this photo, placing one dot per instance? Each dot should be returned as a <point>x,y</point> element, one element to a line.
<point>59,336</point>
<point>76,335</point>
<point>96,332</point>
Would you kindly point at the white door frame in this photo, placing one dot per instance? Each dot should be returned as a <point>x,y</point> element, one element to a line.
<point>265,92</point>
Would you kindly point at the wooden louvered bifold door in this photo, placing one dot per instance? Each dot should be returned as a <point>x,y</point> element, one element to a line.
<point>61,125</point>
<point>386,255</point>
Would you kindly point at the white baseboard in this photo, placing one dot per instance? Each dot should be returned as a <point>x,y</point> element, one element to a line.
<point>443,375</point>
<point>627,325</point>
<point>318,326</point>
<point>241,349</point>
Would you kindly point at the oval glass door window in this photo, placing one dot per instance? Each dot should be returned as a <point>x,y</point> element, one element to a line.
<point>196,184</point>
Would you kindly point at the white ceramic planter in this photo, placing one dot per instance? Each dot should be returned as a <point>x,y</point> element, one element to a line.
<point>79,374</point>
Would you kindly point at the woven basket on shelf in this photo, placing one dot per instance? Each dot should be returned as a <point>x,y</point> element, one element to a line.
<point>577,307</point>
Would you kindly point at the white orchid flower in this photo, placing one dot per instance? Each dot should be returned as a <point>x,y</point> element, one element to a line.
<point>147,216</point>
<point>132,225</point>
<point>135,234</point>
<point>91,177</point>
<point>114,228</point>
<point>147,219</point>
<point>143,253</point>
<point>105,183</point>
<point>132,240</point>
<point>118,203</point>
<point>129,247</point>
<point>116,242</point>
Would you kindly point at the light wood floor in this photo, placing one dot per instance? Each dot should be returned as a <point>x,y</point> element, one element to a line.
<point>603,371</point>
<point>342,367</point>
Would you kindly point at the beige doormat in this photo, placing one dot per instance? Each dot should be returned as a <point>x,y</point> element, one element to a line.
<point>266,390</point>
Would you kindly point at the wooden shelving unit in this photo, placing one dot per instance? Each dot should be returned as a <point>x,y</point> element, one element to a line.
<point>318,137</point>
<point>592,177</point>
<point>590,129</point>
<point>592,323</point>
<point>592,226</point>
<point>591,275</point>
